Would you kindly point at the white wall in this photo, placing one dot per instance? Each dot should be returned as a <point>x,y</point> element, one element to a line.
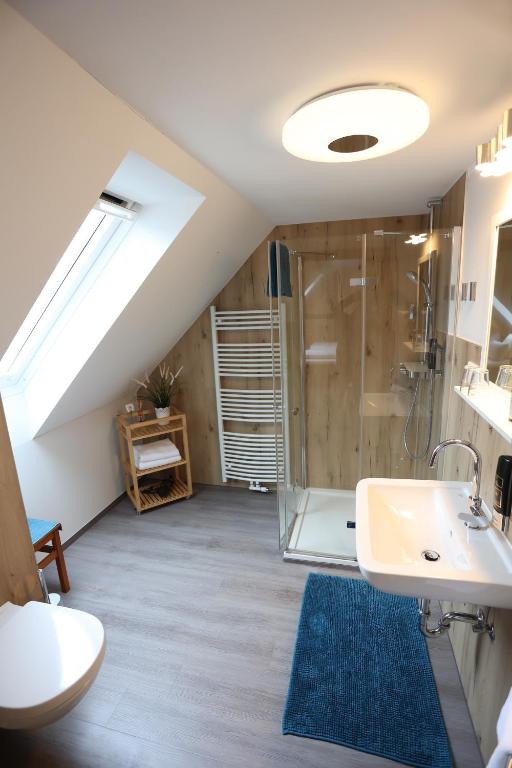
<point>487,199</point>
<point>73,472</point>
<point>62,137</point>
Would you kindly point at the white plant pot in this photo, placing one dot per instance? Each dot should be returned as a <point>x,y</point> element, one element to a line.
<point>162,413</point>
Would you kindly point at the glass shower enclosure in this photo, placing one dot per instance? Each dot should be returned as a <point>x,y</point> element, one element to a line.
<point>363,378</point>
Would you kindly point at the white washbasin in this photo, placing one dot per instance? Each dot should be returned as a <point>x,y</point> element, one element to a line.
<point>397,520</point>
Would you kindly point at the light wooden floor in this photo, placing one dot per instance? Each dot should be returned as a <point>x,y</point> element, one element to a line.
<point>200,613</point>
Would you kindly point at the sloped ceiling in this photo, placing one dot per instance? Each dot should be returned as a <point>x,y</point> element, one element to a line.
<point>221,78</point>
<point>64,136</point>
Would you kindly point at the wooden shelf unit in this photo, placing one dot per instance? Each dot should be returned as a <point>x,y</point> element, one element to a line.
<point>131,431</point>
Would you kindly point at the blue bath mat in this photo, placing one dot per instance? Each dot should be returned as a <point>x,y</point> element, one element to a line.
<point>361,675</point>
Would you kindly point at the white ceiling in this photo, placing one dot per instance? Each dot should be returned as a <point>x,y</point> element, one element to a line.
<point>220,78</point>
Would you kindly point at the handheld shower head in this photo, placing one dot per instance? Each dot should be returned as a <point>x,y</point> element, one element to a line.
<point>413,277</point>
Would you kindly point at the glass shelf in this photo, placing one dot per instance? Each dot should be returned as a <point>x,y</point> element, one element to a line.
<point>492,403</point>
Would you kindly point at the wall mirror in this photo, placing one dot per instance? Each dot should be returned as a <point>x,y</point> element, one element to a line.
<point>500,329</point>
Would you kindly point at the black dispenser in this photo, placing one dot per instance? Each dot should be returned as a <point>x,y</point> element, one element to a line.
<point>431,356</point>
<point>503,490</point>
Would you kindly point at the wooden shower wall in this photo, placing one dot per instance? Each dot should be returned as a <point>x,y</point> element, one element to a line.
<point>336,452</point>
<point>331,426</point>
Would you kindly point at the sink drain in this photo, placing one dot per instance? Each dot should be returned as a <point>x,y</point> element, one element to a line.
<point>431,555</point>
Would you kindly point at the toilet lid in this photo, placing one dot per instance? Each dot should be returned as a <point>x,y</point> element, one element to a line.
<point>45,652</point>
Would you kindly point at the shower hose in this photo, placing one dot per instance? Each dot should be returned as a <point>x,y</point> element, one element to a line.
<point>415,456</point>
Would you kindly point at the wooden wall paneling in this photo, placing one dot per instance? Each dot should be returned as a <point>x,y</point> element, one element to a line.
<point>332,314</point>
<point>333,390</point>
<point>247,290</point>
<point>329,464</point>
<point>387,329</point>
<point>196,395</point>
<point>19,580</point>
<point>388,332</point>
<point>442,277</point>
<point>325,467</point>
<point>449,214</point>
<point>451,211</point>
<point>196,398</point>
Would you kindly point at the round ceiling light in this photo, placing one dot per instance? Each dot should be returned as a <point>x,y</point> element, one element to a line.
<point>356,124</point>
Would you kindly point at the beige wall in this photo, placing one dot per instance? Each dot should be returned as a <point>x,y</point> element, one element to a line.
<point>63,136</point>
<point>72,473</point>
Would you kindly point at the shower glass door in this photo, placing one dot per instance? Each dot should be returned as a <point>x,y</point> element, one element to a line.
<point>320,384</point>
<point>365,329</point>
<point>288,385</point>
<point>409,312</point>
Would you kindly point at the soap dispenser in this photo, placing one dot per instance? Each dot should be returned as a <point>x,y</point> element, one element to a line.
<point>503,490</point>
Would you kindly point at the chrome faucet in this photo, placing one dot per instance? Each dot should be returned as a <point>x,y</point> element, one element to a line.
<point>475,501</point>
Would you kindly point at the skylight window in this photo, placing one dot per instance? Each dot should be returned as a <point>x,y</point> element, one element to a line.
<point>71,354</point>
<point>87,254</point>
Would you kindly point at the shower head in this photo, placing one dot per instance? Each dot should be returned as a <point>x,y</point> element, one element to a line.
<point>413,277</point>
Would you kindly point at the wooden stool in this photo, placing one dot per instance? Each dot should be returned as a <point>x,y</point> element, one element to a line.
<point>46,538</point>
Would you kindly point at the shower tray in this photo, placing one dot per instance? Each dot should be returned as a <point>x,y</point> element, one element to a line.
<point>324,527</point>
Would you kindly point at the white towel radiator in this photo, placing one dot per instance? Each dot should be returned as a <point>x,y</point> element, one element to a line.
<point>253,456</point>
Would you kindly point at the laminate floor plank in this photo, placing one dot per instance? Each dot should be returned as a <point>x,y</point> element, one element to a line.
<point>200,613</point>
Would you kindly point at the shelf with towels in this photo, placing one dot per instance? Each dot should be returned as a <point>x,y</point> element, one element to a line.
<point>173,480</point>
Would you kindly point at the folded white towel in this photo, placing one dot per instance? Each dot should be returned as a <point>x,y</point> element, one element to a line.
<point>150,455</point>
<point>322,351</point>
<point>155,450</point>
<point>504,731</point>
<point>158,462</point>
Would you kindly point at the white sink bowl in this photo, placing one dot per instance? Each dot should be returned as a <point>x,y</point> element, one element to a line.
<point>398,520</point>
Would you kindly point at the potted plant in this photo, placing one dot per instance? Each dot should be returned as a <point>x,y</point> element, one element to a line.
<point>158,390</point>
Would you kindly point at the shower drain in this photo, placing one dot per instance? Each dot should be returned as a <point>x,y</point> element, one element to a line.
<point>431,555</point>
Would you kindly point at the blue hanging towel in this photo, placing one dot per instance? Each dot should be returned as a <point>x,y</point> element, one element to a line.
<point>284,269</point>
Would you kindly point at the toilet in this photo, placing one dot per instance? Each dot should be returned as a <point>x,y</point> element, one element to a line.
<point>49,657</point>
